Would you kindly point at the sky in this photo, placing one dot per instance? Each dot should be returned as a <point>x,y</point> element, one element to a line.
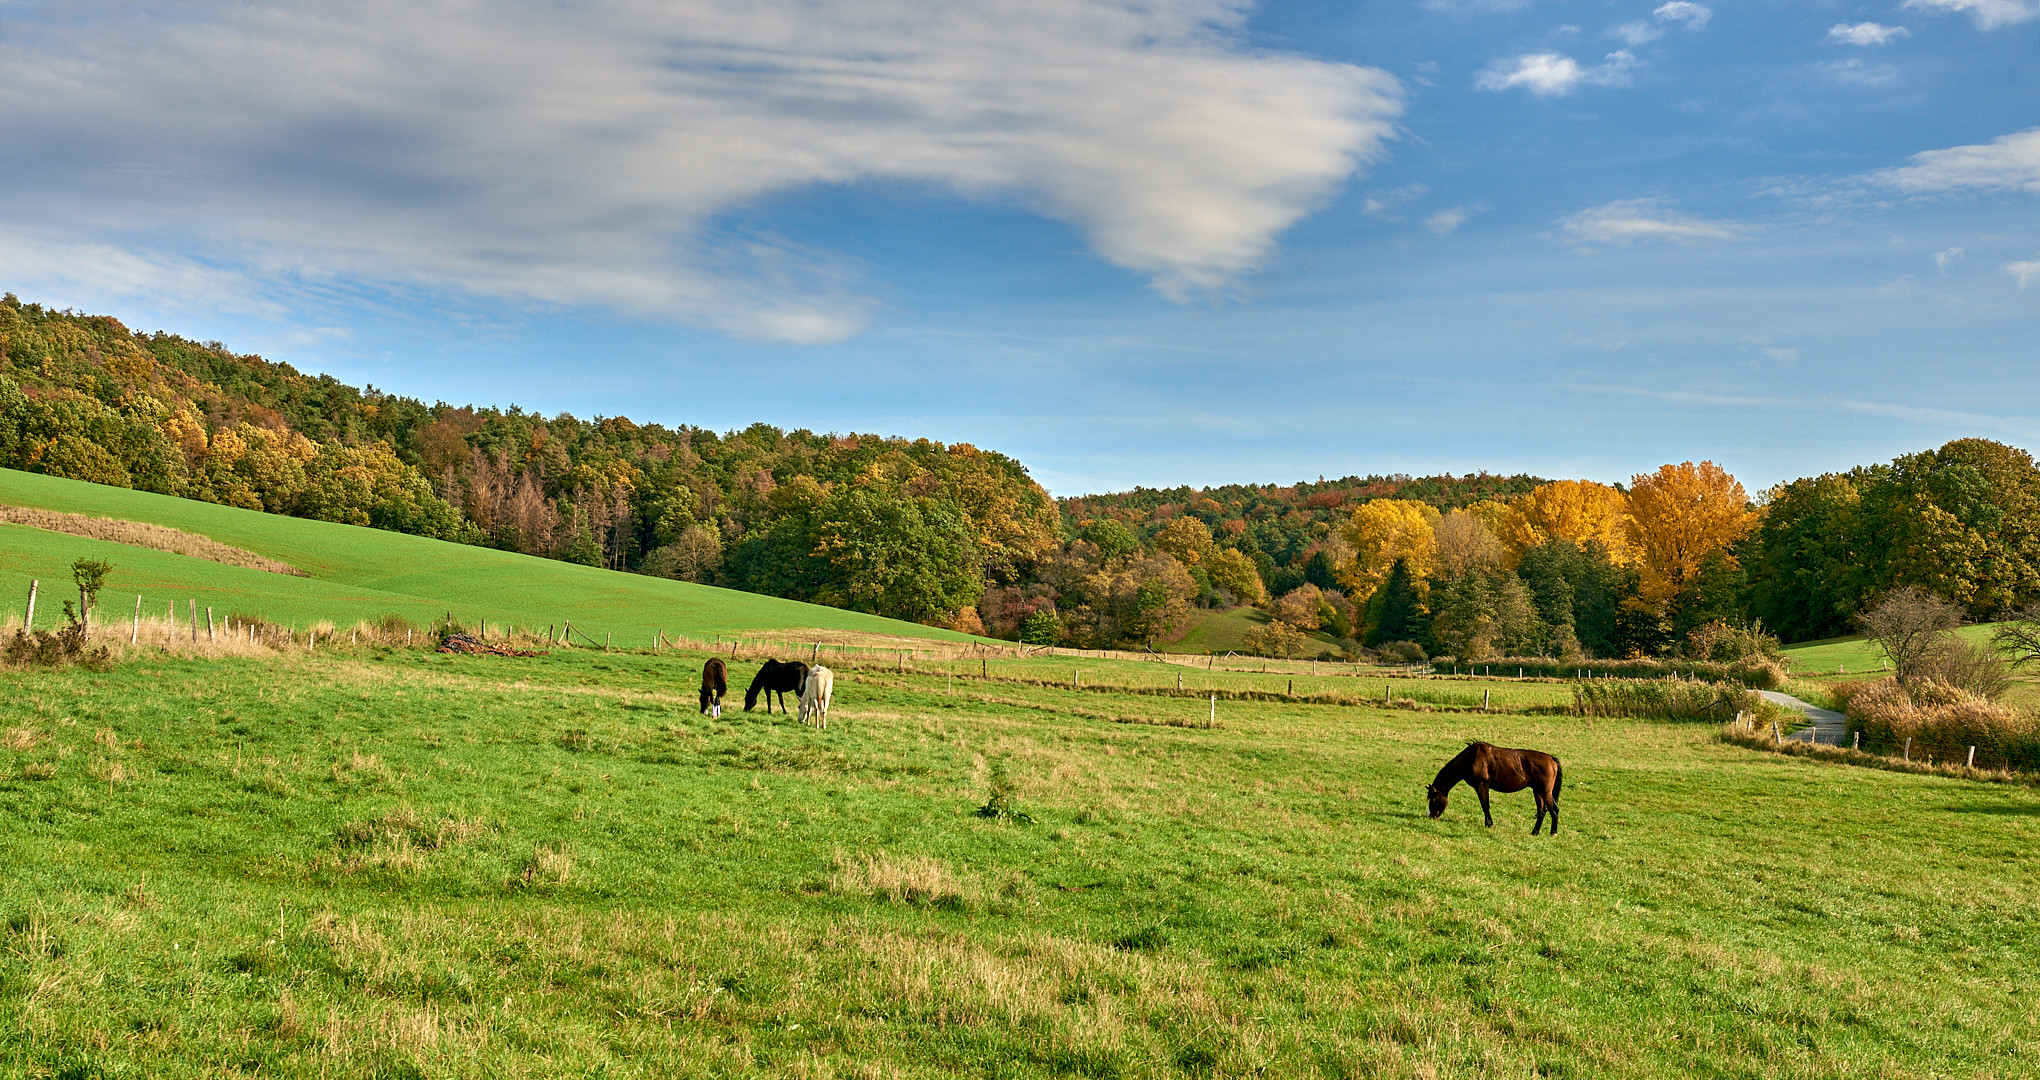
<point>1127,242</point>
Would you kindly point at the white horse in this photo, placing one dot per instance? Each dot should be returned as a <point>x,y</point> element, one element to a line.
<point>814,696</point>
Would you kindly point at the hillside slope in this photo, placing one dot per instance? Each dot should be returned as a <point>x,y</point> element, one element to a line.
<point>361,573</point>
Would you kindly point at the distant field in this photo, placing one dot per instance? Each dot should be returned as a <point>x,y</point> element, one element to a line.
<point>358,573</point>
<point>385,862</point>
<point>1226,631</point>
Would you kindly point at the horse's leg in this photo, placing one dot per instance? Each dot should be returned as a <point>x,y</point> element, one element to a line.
<point>1539,823</point>
<point>1481,790</point>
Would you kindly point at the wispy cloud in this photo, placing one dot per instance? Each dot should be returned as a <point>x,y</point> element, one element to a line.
<point>2027,272</point>
<point>1988,14</point>
<point>1946,258</point>
<point>592,153</point>
<point>1635,33</point>
<point>1630,220</point>
<point>1444,222</point>
<point>2007,163</point>
<point>1554,74</point>
<point>1866,33</point>
<point>1858,73</point>
<point>1694,16</point>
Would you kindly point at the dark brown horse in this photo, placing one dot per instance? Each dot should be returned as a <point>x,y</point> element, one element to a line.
<point>1499,768</point>
<point>776,678</point>
<point>715,682</point>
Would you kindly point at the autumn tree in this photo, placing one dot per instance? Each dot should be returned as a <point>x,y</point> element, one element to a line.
<point>1186,538</point>
<point>1577,510</point>
<point>1681,517</point>
<point>1911,625</point>
<point>1299,607</point>
<point>1465,542</point>
<point>1383,531</point>
<point>1234,572</point>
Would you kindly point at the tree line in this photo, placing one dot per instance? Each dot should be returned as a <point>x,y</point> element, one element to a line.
<point>1681,560</point>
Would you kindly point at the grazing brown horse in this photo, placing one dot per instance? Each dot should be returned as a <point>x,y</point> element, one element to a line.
<point>715,682</point>
<point>1499,768</point>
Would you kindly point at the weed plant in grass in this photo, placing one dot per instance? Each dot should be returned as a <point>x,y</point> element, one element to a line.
<point>395,863</point>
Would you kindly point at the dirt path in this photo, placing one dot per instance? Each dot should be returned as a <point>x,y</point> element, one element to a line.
<point>1829,727</point>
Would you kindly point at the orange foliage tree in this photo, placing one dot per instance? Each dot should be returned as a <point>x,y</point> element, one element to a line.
<point>1577,510</point>
<point>1680,517</point>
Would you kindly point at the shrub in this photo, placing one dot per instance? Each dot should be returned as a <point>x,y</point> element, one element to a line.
<point>1277,639</point>
<point>1941,721</point>
<point>1663,699</point>
<point>1401,652</point>
<point>56,648</point>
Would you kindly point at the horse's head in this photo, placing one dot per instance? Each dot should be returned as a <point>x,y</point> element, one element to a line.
<point>751,696</point>
<point>1437,799</point>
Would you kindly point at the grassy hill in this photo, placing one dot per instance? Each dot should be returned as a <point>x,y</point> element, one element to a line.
<point>358,573</point>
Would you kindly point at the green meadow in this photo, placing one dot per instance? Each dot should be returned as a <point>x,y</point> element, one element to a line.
<point>388,862</point>
<point>364,574</point>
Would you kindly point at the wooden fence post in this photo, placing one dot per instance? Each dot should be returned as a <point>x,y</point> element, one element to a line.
<point>1179,681</point>
<point>1858,741</point>
<point>1908,748</point>
<point>1972,758</point>
<point>136,637</point>
<point>1484,698</point>
<point>194,619</point>
<point>29,622</point>
<point>208,623</point>
<point>1214,710</point>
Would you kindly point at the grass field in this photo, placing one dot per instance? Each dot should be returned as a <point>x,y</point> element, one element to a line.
<point>358,573</point>
<point>1226,631</point>
<point>387,862</point>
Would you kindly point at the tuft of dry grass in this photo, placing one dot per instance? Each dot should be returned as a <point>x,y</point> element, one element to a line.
<point>548,864</point>
<point>903,879</point>
<point>143,534</point>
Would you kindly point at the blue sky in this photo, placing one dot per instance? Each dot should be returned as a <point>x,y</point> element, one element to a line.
<point>1156,242</point>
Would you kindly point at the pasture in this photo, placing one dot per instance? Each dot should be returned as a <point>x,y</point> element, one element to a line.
<point>387,862</point>
<point>364,574</point>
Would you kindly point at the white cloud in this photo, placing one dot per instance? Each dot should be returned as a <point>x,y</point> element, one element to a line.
<point>1386,204</point>
<point>2026,272</point>
<point>1868,33</point>
<point>1553,74</point>
<point>1444,221</point>
<point>1629,220</point>
<point>1949,257</point>
<point>2007,163</point>
<point>1635,33</point>
<point>1695,16</point>
<point>1988,14</point>
<point>1855,71</point>
<point>592,153</point>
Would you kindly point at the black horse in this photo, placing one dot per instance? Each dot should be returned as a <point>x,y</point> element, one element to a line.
<point>1498,768</point>
<point>776,678</point>
<point>715,682</point>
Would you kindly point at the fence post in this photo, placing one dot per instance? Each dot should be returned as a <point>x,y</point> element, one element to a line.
<point>1908,748</point>
<point>1857,743</point>
<point>1972,758</point>
<point>1484,698</point>
<point>136,637</point>
<point>1179,682</point>
<point>1387,694</point>
<point>208,623</point>
<point>1214,709</point>
<point>194,619</point>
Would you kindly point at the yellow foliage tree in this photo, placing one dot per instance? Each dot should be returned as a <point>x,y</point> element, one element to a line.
<point>1679,517</point>
<point>1382,531</point>
<point>1187,538</point>
<point>1235,573</point>
<point>1577,510</point>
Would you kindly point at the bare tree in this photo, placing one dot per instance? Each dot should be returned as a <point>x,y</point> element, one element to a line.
<point>1912,625</point>
<point>2017,637</point>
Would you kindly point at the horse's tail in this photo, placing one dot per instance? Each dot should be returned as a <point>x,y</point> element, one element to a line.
<point>1558,781</point>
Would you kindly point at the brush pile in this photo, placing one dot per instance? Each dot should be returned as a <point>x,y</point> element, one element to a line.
<point>474,646</point>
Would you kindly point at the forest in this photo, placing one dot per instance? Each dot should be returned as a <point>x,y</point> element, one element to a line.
<point>1678,561</point>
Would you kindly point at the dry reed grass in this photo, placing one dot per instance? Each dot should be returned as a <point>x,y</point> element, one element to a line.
<point>143,534</point>
<point>903,879</point>
<point>1939,722</point>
